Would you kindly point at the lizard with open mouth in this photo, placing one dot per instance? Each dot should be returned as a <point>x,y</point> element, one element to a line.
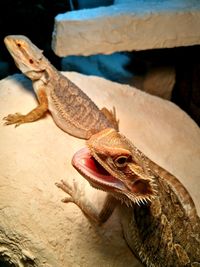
<point>159,219</point>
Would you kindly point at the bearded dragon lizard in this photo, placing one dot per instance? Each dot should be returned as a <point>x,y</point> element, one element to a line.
<point>158,216</point>
<point>72,110</point>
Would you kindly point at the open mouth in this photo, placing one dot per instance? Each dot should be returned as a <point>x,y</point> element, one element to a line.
<point>139,191</point>
<point>92,170</point>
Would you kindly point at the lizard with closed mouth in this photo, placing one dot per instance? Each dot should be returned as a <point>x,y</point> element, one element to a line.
<point>72,110</point>
<point>158,216</point>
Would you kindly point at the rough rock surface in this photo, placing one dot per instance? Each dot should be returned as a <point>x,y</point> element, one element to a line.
<point>36,228</point>
<point>139,25</point>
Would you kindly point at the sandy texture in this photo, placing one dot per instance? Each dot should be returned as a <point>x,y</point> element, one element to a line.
<point>36,229</point>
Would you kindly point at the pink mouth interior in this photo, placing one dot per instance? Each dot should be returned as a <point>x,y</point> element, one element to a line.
<point>85,163</point>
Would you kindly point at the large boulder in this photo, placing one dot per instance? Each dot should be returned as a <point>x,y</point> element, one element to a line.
<point>36,228</point>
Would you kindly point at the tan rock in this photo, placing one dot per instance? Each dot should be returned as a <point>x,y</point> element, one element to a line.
<point>36,228</point>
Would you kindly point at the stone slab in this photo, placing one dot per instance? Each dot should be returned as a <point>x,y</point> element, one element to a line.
<point>139,25</point>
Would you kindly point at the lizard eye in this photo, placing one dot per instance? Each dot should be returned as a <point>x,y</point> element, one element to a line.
<point>121,161</point>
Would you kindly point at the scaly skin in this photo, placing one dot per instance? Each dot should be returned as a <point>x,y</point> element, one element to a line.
<point>158,216</point>
<point>72,110</point>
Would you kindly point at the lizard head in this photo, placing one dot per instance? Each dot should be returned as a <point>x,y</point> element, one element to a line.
<point>26,55</point>
<point>111,163</point>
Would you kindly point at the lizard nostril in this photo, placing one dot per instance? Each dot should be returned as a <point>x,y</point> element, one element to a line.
<point>18,44</point>
<point>31,61</point>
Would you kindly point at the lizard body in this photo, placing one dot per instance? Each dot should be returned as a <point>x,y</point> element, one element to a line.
<point>158,216</point>
<point>72,110</point>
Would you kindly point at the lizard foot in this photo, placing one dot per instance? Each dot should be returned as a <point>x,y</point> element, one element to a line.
<point>77,196</point>
<point>16,119</point>
<point>72,190</point>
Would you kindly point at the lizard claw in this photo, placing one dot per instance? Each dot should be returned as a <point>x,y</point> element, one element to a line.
<point>16,119</point>
<point>67,200</point>
<point>76,195</point>
<point>65,186</point>
<point>72,190</point>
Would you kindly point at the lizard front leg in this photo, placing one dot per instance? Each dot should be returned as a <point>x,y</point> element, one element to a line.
<point>33,115</point>
<point>76,197</point>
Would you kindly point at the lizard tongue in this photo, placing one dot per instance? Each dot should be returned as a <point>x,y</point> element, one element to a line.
<point>87,166</point>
